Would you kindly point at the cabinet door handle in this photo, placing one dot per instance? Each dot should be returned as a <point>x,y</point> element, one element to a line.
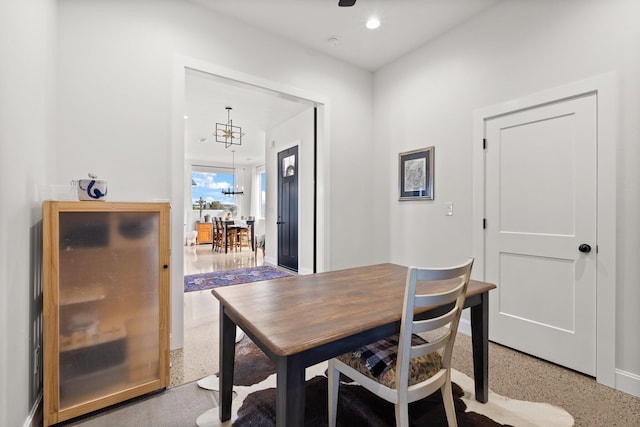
<point>165,266</point>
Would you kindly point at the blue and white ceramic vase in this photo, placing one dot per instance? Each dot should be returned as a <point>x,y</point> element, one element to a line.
<point>92,189</point>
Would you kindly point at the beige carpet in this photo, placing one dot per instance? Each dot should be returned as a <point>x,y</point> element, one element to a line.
<point>523,377</point>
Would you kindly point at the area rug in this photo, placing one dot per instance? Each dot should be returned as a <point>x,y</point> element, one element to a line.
<point>255,404</point>
<point>201,282</point>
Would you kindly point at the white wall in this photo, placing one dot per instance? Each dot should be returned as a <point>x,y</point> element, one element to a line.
<point>115,76</point>
<point>512,50</point>
<point>27,150</point>
<point>295,131</point>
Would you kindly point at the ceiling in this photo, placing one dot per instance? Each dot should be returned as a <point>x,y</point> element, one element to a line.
<point>405,25</point>
<point>254,110</point>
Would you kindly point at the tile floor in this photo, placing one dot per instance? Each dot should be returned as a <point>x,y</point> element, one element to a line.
<point>199,356</point>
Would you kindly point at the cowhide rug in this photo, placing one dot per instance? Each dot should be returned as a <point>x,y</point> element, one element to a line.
<point>255,394</point>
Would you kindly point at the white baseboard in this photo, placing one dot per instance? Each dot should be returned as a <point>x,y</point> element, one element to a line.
<point>35,413</point>
<point>305,271</point>
<point>628,382</point>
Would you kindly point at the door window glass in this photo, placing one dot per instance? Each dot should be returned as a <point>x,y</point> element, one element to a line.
<point>289,165</point>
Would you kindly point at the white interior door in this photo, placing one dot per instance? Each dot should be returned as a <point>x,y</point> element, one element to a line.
<point>541,206</point>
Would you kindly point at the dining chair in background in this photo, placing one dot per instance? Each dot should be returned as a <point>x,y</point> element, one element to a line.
<point>218,231</point>
<point>405,368</point>
<point>244,236</point>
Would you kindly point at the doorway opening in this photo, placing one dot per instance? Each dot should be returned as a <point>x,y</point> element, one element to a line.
<point>256,201</point>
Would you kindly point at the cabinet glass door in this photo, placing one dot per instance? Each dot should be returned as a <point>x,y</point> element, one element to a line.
<point>109,327</point>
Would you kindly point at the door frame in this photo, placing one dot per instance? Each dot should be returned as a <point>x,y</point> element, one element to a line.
<point>605,87</point>
<point>179,181</point>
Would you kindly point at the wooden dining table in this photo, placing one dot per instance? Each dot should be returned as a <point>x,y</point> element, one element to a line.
<point>300,321</point>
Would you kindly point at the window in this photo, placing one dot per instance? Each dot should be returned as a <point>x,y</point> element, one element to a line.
<point>262,176</point>
<point>209,183</point>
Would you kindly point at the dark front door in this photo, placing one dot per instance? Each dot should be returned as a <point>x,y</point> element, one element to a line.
<point>288,208</point>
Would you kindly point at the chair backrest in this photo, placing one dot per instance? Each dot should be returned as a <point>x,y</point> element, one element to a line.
<point>429,288</point>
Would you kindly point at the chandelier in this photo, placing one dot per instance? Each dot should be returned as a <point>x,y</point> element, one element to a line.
<point>227,133</point>
<point>233,190</point>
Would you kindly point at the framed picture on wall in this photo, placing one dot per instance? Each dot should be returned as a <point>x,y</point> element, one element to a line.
<point>415,174</point>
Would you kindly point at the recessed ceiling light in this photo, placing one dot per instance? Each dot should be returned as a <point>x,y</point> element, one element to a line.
<point>186,117</point>
<point>373,23</point>
<point>203,139</point>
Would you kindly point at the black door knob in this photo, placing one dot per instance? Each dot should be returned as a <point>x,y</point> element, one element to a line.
<point>584,248</point>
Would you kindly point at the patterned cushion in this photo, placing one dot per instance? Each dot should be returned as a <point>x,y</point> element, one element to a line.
<point>420,368</point>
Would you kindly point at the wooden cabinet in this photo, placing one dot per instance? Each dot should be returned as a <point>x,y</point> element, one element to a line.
<point>205,232</point>
<point>106,281</point>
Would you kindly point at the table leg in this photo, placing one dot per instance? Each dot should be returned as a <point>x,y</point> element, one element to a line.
<point>226,355</point>
<point>480,345</point>
<point>226,238</point>
<point>290,392</point>
<point>253,236</point>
